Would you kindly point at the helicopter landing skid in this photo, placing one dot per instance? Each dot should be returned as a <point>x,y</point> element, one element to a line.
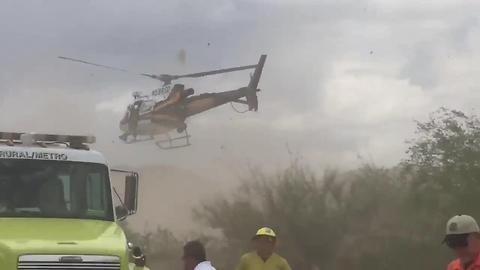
<point>140,140</point>
<point>170,143</point>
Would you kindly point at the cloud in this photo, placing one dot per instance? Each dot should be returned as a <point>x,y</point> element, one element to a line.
<point>371,100</point>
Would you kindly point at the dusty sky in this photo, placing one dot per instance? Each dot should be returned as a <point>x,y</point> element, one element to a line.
<point>343,81</point>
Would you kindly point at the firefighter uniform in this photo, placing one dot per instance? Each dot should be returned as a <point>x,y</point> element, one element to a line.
<point>457,265</point>
<point>253,261</point>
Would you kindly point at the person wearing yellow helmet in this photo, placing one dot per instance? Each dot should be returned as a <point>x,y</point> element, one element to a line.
<point>263,257</point>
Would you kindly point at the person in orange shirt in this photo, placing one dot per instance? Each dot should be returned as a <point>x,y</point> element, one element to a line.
<point>463,237</point>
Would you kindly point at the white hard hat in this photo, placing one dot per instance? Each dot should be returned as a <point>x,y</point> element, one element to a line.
<point>462,224</point>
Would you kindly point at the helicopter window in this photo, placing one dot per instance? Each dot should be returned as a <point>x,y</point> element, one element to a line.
<point>146,106</point>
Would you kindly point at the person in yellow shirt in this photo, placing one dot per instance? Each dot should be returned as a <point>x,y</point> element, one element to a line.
<point>263,257</point>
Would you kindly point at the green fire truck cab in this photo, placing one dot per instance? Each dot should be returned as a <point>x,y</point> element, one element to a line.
<point>57,206</point>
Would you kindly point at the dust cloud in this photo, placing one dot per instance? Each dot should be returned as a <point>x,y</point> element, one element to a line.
<point>168,195</point>
<point>325,97</point>
<point>167,192</point>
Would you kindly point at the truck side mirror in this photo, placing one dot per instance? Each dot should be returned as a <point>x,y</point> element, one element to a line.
<point>131,192</point>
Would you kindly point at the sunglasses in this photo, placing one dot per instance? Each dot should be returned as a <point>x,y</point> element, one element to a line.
<point>455,241</point>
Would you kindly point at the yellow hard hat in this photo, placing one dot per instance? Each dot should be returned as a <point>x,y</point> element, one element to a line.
<point>265,231</point>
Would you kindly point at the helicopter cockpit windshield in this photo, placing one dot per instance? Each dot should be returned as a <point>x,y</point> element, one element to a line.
<point>146,106</point>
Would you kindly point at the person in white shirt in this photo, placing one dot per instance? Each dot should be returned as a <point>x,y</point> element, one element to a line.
<point>195,257</point>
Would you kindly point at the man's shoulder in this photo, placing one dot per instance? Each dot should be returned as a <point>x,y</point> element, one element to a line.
<point>204,266</point>
<point>454,265</point>
<point>278,257</point>
<point>248,256</point>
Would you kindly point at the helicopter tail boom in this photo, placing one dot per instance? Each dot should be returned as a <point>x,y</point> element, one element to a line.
<point>203,102</point>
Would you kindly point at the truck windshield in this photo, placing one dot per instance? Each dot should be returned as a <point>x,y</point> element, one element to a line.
<point>54,189</point>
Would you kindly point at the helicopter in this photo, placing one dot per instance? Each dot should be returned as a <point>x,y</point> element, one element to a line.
<point>165,110</point>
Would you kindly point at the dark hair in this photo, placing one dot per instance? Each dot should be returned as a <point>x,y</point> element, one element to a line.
<point>196,250</point>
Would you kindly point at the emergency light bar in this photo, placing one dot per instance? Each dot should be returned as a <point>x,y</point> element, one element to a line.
<point>29,138</point>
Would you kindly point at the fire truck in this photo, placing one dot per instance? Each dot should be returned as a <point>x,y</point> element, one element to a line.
<point>58,206</point>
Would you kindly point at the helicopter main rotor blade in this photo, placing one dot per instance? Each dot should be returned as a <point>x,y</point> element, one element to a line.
<point>110,67</point>
<point>213,72</point>
<point>166,78</point>
<point>93,64</point>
